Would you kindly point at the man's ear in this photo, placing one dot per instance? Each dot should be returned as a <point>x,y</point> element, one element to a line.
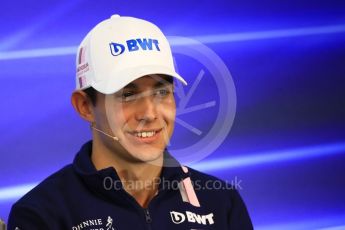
<point>83,105</point>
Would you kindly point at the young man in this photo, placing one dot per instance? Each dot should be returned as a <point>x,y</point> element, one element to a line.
<point>125,178</point>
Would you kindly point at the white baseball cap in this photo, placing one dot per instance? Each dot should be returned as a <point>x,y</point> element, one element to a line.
<point>120,50</point>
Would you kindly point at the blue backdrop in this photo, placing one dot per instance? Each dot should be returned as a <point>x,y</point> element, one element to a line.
<point>287,61</point>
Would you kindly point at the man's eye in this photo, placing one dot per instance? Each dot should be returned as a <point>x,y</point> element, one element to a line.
<point>162,92</point>
<point>128,96</point>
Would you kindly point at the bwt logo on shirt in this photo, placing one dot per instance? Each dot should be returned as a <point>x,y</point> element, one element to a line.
<point>134,45</point>
<point>178,218</point>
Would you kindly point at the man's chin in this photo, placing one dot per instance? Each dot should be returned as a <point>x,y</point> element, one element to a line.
<point>147,155</point>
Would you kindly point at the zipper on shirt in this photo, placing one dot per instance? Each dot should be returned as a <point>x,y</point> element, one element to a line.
<point>148,216</point>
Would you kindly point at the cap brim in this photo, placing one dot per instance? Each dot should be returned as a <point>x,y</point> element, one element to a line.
<point>115,81</point>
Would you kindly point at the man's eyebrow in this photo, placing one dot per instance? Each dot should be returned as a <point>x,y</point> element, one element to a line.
<point>162,82</point>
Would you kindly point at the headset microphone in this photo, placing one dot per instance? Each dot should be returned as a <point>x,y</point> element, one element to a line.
<point>108,135</point>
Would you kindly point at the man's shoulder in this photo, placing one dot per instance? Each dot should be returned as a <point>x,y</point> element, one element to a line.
<point>50,188</point>
<point>201,176</point>
<point>206,184</point>
<point>218,193</point>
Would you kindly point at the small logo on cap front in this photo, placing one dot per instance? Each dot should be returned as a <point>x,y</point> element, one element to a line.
<point>116,48</point>
<point>134,45</point>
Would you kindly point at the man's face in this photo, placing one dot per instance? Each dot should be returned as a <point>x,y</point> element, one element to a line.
<point>141,115</point>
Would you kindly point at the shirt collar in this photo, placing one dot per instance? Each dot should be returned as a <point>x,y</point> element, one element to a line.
<point>95,179</point>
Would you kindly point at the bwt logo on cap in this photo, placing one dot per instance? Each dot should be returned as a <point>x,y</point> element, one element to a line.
<point>134,45</point>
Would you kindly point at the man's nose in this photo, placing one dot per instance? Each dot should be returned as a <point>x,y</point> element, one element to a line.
<point>146,108</point>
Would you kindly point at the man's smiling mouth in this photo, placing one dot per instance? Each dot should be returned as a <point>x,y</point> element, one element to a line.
<point>146,133</point>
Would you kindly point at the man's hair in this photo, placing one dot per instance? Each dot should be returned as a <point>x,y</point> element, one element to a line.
<point>92,94</point>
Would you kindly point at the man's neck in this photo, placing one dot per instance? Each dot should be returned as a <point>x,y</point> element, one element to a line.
<point>139,179</point>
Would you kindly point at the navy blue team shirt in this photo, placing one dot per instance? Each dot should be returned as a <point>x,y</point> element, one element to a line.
<point>78,197</point>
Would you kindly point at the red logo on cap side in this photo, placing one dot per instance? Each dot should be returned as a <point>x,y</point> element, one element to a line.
<point>81,57</point>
